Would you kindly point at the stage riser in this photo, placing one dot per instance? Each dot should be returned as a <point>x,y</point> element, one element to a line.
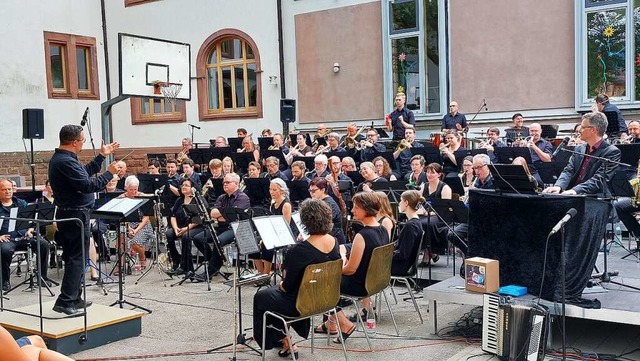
<point>95,337</point>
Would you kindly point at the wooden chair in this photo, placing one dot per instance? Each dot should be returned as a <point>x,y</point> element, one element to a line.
<point>377,280</point>
<point>319,293</point>
<point>410,275</point>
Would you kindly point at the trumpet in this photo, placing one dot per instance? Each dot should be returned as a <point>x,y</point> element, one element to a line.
<point>350,141</point>
<point>273,147</point>
<point>322,134</point>
<point>182,155</point>
<point>362,144</point>
<point>485,142</point>
<point>322,149</point>
<point>403,145</point>
<point>205,188</point>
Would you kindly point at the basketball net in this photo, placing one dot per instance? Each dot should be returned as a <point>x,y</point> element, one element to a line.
<point>170,91</point>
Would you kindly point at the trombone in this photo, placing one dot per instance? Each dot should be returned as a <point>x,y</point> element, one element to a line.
<point>350,141</point>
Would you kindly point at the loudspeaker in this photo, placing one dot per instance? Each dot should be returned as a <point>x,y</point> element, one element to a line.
<point>32,123</point>
<point>287,110</point>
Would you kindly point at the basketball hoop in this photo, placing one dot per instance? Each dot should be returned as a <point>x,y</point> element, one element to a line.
<point>168,90</point>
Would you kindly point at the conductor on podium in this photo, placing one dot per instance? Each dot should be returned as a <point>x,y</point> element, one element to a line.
<point>73,185</point>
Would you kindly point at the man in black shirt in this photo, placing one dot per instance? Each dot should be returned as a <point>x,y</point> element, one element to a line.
<point>454,119</point>
<point>401,118</point>
<point>73,185</point>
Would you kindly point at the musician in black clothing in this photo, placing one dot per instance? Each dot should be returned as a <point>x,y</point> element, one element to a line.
<point>273,169</point>
<point>370,176</point>
<point>410,233</point>
<point>371,145</point>
<point>171,190</point>
<point>182,228</point>
<point>318,190</point>
<point>189,172</point>
<point>320,247</point>
<point>74,185</point>
<point>401,118</point>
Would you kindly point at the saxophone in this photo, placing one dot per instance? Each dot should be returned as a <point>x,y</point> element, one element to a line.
<point>635,183</point>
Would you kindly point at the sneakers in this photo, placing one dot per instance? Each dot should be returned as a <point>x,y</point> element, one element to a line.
<point>6,286</point>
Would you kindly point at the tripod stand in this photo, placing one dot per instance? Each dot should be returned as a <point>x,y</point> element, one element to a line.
<point>158,235</point>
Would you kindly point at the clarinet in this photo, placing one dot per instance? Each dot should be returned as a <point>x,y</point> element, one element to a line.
<point>207,221</point>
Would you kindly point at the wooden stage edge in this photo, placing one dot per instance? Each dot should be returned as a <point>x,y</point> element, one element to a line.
<point>104,325</point>
<point>618,306</point>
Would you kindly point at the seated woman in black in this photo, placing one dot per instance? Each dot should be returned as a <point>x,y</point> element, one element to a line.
<point>320,247</point>
<point>434,228</point>
<point>366,206</point>
<point>447,150</point>
<point>181,228</point>
<point>410,233</point>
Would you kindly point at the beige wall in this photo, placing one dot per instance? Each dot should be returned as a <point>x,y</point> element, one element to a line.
<point>350,36</point>
<point>519,55</point>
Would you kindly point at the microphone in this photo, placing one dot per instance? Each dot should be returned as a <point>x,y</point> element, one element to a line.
<point>570,214</point>
<point>83,122</point>
<point>194,126</point>
<point>561,146</point>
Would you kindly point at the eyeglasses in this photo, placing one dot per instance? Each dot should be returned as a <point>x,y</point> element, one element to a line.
<point>81,140</point>
<point>452,106</point>
<point>228,182</point>
<point>479,166</point>
<point>313,190</point>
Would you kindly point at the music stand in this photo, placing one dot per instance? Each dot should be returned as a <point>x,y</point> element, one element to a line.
<point>506,155</point>
<point>258,191</point>
<point>461,154</point>
<point>242,161</point>
<point>29,196</point>
<point>298,191</point>
<point>118,209</point>
<point>235,143</point>
<point>511,178</point>
<point>221,152</point>
<point>393,189</point>
<point>549,131</point>
<point>322,141</point>
<point>356,177</point>
<point>150,183</point>
<point>200,155</point>
<point>549,171</point>
<point>217,187</point>
<point>308,161</point>
<point>264,154</point>
<point>455,183</point>
<point>382,133</point>
<point>629,153</point>
<point>339,154</point>
<point>449,211</point>
<point>430,154</point>
<point>264,143</point>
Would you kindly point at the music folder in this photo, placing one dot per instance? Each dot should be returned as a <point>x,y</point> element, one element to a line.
<point>274,231</point>
<point>118,208</point>
<point>295,217</point>
<point>245,238</point>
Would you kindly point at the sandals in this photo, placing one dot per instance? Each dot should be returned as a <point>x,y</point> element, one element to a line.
<point>323,329</point>
<point>286,352</point>
<point>345,335</point>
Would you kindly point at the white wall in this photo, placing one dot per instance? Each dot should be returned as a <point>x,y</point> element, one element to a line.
<point>192,22</point>
<point>23,81</point>
<point>23,68</point>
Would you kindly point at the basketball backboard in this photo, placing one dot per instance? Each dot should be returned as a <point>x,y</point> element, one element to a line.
<point>144,61</point>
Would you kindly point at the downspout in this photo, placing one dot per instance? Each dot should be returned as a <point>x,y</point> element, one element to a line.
<point>107,131</point>
<point>283,90</point>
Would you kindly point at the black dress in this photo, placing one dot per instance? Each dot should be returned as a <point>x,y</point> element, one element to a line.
<point>273,299</point>
<point>354,285</point>
<point>434,229</point>
<point>409,235</point>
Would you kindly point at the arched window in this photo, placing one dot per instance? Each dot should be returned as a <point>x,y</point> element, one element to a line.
<point>228,70</point>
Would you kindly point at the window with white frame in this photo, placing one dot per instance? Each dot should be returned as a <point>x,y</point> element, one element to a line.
<point>607,51</point>
<point>414,54</point>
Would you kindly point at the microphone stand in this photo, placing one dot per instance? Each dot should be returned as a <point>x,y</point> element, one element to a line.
<point>93,146</point>
<point>466,130</point>
<point>606,162</point>
<point>192,129</point>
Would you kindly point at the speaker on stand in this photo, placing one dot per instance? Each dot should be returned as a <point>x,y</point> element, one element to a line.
<point>32,128</point>
<point>287,114</point>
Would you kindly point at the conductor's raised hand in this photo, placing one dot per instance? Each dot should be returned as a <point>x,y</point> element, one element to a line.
<point>106,149</point>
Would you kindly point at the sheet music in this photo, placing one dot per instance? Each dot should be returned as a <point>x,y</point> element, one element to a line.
<point>274,231</point>
<point>245,239</point>
<point>296,219</point>
<point>121,205</point>
<point>13,213</point>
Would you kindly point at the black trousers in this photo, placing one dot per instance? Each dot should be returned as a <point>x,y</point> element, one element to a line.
<point>71,239</point>
<point>171,245</point>
<point>9,248</point>
<point>625,212</point>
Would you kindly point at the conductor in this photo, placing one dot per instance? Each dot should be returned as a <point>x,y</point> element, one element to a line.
<point>73,185</point>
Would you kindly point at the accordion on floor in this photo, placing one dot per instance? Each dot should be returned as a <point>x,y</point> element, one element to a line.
<point>514,330</point>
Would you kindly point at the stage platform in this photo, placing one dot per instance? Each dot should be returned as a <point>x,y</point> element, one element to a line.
<point>66,335</point>
<point>618,306</point>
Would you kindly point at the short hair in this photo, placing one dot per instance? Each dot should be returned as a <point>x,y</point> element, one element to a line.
<point>131,180</point>
<point>321,158</point>
<point>300,164</point>
<point>154,162</point>
<point>334,135</point>
<point>223,139</point>
<point>69,133</point>
<point>513,117</point>
<point>273,159</point>
<point>188,162</point>
<point>367,165</point>
<point>282,185</point>
<point>434,167</point>
<point>255,164</point>
<point>175,162</point>
<point>368,202</point>
<point>413,198</point>
<point>468,158</point>
<point>215,163</point>
<point>315,216</point>
<point>483,158</point>
<point>188,140</point>
<point>234,176</point>
<point>241,130</point>
<point>320,183</point>
<point>266,130</point>
<point>493,130</point>
<point>598,120</point>
<point>602,98</point>
<point>278,135</point>
<point>401,94</point>
<point>418,157</point>
<point>350,161</point>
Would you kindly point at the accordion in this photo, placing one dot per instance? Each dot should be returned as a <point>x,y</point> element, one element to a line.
<point>514,330</point>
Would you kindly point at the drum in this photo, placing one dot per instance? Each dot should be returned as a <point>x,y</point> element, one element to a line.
<point>436,139</point>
